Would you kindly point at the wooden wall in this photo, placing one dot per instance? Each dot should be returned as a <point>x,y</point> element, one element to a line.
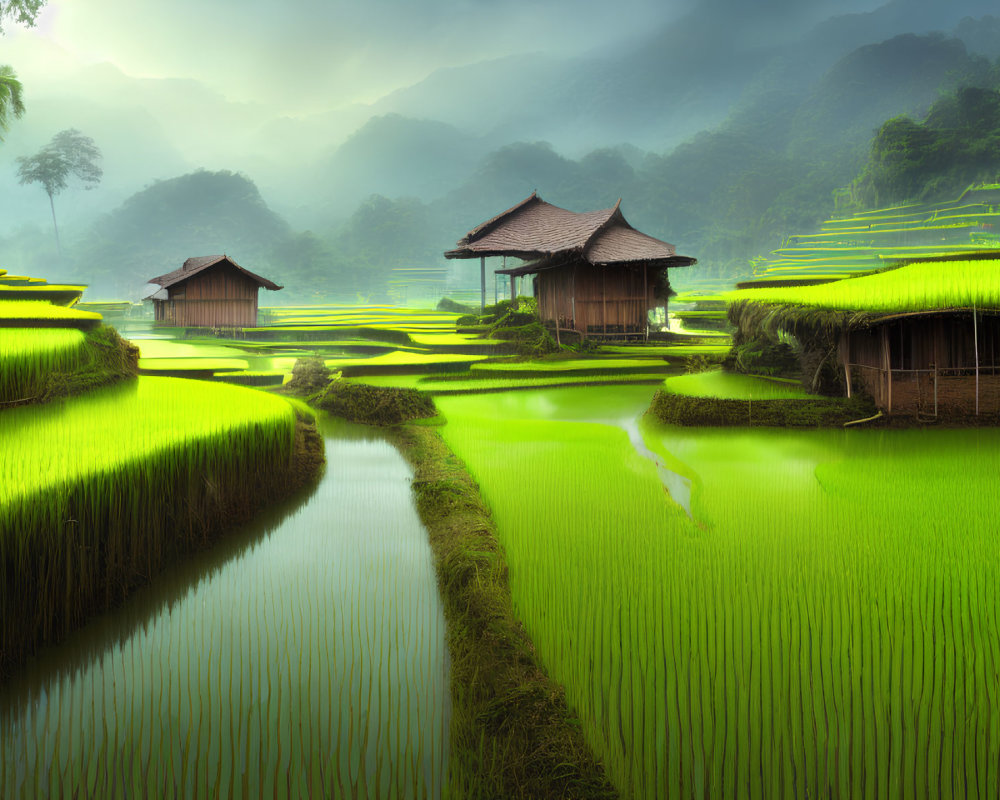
<point>917,364</point>
<point>219,297</point>
<point>596,301</point>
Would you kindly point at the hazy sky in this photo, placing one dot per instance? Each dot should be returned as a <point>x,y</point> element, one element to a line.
<point>309,55</point>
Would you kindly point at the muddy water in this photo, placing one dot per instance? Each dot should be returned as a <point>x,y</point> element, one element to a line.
<point>303,656</point>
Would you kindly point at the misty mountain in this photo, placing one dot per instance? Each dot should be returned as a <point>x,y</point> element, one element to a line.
<point>156,229</point>
<point>396,156</point>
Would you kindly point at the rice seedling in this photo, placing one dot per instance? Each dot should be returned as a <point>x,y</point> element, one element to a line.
<point>98,489</point>
<point>308,660</point>
<point>28,355</point>
<point>824,626</point>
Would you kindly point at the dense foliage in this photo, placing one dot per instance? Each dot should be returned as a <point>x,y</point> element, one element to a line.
<point>957,144</point>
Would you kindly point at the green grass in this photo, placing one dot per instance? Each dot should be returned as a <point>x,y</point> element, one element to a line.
<point>916,287</point>
<point>825,625</point>
<point>717,383</point>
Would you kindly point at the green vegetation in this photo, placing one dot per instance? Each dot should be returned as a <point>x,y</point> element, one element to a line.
<point>38,364</point>
<point>512,734</point>
<point>720,384</point>
<point>915,287</point>
<point>373,405</point>
<point>823,625</point>
<point>952,148</point>
<point>100,490</point>
<point>29,355</point>
<point>39,313</point>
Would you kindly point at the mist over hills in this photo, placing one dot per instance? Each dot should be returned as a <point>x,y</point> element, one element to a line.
<point>721,130</point>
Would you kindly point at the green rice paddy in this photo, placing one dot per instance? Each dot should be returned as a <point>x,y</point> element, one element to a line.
<point>21,312</point>
<point>28,355</point>
<point>825,625</point>
<point>916,287</point>
<point>717,383</point>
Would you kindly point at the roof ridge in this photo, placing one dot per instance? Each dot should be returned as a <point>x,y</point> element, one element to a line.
<point>614,213</point>
<point>485,227</point>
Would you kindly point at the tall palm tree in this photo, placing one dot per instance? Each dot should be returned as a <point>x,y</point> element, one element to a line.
<point>11,101</point>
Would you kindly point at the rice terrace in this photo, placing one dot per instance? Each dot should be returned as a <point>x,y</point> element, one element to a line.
<point>562,400</point>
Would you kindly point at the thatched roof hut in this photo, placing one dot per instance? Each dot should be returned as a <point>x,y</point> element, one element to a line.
<point>923,337</point>
<point>209,291</point>
<point>593,272</point>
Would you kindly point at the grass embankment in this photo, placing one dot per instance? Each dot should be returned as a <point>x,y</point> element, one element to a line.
<point>102,491</point>
<point>512,733</point>
<point>725,399</point>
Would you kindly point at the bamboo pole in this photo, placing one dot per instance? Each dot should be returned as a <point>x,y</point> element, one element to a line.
<point>482,283</point>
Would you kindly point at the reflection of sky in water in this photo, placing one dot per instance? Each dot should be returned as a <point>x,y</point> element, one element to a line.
<point>311,646</point>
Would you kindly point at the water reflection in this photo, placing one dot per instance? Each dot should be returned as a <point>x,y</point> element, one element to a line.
<point>304,655</point>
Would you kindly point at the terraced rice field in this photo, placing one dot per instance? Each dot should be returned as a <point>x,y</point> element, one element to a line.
<point>825,625</point>
<point>875,239</point>
<point>306,657</point>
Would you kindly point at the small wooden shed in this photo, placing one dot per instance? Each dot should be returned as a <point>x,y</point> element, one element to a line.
<point>920,338</point>
<point>209,292</point>
<point>930,363</point>
<point>594,274</point>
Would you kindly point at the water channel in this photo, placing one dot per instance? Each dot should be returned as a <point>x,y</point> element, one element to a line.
<point>303,656</point>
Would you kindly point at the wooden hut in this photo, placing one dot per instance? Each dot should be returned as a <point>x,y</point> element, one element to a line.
<point>594,274</point>
<point>210,292</point>
<point>928,363</point>
<point>934,351</point>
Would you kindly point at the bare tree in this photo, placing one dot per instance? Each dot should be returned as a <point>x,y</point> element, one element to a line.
<point>70,153</point>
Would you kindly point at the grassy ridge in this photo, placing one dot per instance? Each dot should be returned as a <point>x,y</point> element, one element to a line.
<point>512,735</point>
<point>99,491</point>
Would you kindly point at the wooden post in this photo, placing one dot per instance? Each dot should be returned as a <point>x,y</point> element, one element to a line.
<point>482,283</point>
<point>887,366</point>
<point>604,300</point>
<point>975,347</point>
<point>845,355</point>
<point>645,302</point>
<point>935,389</point>
<point>513,294</point>
<point>572,301</point>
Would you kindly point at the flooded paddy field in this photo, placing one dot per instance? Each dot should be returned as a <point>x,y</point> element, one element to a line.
<point>304,656</point>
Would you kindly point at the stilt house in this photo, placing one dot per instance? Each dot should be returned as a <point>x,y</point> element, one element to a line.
<point>923,338</point>
<point>210,292</point>
<point>594,274</point>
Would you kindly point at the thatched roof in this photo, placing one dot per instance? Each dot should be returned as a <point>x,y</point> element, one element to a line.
<point>539,231</point>
<point>200,263</point>
<point>917,289</point>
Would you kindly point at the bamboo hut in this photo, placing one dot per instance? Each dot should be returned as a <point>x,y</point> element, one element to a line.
<point>593,273</point>
<point>923,338</point>
<point>210,292</point>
